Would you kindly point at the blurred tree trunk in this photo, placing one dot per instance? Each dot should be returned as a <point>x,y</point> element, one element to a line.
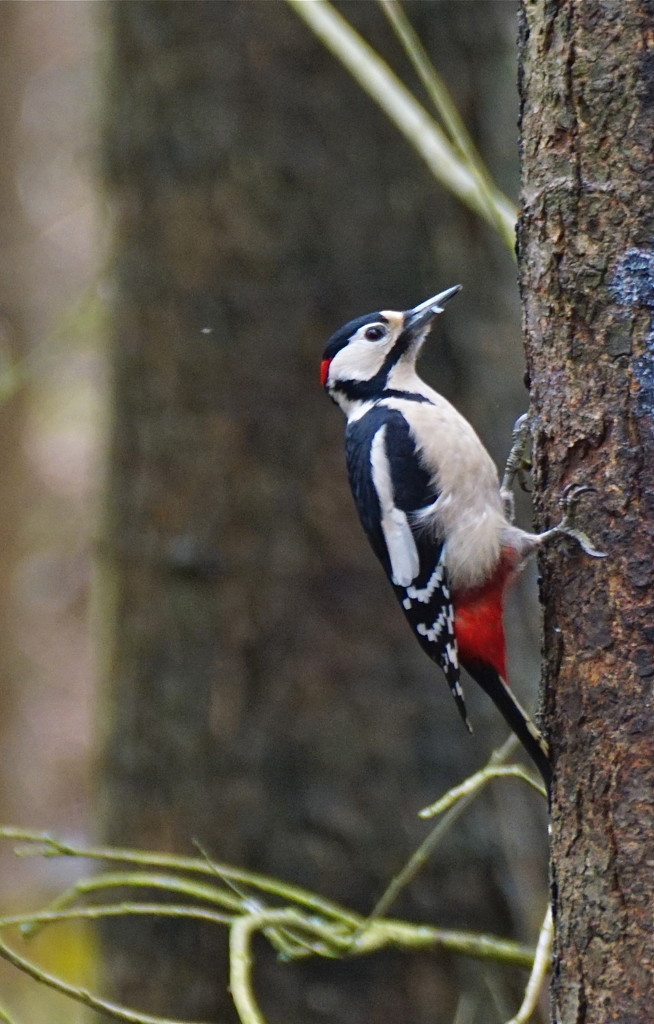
<point>13,274</point>
<point>262,693</point>
<point>588,288</point>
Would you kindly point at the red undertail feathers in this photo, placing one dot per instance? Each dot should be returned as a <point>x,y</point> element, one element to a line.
<point>478,619</point>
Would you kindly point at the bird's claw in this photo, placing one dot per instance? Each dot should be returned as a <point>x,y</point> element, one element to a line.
<point>568,503</point>
<point>516,465</point>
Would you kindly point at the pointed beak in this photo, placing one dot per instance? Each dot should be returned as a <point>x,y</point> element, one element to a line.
<point>418,318</point>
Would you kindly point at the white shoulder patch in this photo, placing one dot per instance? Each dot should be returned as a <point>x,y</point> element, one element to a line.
<point>402,550</point>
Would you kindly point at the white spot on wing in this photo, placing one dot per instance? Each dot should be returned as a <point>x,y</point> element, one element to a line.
<point>444,622</point>
<point>452,654</point>
<point>435,582</point>
<point>402,551</point>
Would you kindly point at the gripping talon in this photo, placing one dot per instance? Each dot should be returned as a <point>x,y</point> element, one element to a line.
<point>516,464</point>
<point>582,539</point>
<point>568,504</point>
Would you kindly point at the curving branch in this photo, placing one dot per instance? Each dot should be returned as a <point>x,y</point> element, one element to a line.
<point>450,162</point>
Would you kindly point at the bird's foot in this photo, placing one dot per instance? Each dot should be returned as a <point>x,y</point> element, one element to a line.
<point>567,527</point>
<point>517,464</point>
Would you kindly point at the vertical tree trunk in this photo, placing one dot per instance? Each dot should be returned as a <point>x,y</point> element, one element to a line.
<point>587,276</point>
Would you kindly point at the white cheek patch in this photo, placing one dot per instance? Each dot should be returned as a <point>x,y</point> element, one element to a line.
<point>360,360</point>
<point>401,547</point>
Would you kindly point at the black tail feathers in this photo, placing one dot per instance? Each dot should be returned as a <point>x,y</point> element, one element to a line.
<point>516,717</point>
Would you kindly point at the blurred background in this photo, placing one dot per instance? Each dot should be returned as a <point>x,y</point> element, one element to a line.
<point>196,642</point>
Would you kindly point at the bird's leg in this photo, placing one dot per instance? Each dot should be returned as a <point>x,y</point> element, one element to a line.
<point>566,527</point>
<point>517,463</point>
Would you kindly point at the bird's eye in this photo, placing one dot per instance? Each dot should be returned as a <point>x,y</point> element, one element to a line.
<point>375,333</point>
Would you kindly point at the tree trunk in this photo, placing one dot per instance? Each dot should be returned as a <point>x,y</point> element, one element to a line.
<point>263,694</point>
<point>14,491</point>
<point>587,276</point>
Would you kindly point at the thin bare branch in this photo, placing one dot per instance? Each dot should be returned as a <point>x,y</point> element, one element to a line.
<point>539,971</point>
<point>97,911</point>
<point>43,844</point>
<point>5,1017</point>
<point>326,930</point>
<point>475,783</point>
<point>409,116</point>
<point>443,103</point>
<point>80,995</point>
<point>451,806</point>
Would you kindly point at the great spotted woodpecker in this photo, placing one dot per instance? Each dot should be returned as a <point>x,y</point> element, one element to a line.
<point>429,499</point>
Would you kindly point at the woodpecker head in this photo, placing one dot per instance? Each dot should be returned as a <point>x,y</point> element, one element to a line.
<point>372,353</point>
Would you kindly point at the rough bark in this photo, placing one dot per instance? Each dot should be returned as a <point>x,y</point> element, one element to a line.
<point>263,694</point>
<point>587,276</point>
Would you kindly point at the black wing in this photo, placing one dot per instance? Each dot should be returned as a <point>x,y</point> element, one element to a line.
<point>390,485</point>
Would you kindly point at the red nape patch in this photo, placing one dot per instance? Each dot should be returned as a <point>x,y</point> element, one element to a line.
<point>324,371</point>
<point>478,623</point>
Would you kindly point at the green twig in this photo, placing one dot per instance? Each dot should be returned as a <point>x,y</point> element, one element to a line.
<point>99,910</point>
<point>383,932</point>
<point>418,859</point>
<point>240,967</point>
<point>144,880</point>
<point>80,995</point>
<point>326,938</point>
<point>42,844</point>
<point>310,926</point>
<point>409,116</point>
<point>449,115</point>
<point>240,951</point>
<point>476,782</point>
<point>375,937</point>
<point>5,1017</point>
<point>451,806</point>
<point>539,971</point>
<point>335,938</point>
